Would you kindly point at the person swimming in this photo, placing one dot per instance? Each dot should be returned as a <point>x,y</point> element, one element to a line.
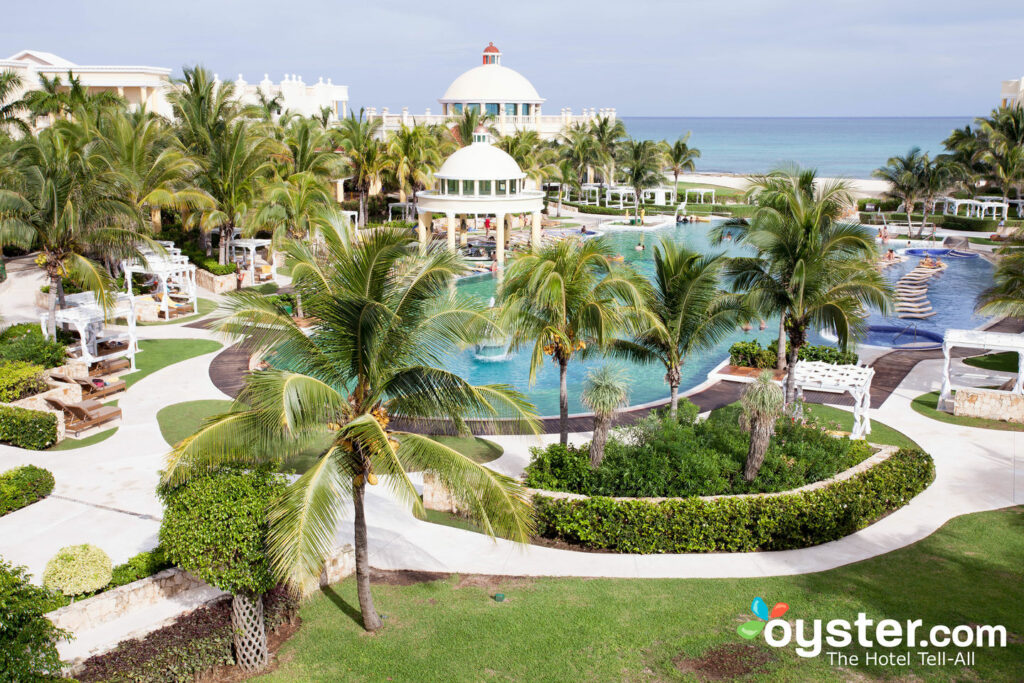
<point>639,246</point>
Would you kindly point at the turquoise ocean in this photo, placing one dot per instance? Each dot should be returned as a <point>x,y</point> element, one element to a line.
<point>850,147</point>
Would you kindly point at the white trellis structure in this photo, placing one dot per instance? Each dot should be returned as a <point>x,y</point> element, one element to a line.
<point>978,207</point>
<point>88,318</point>
<point>626,196</point>
<point>173,273</point>
<point>250,245</point>
<point>700,192</point>
<point>408,210</point>
<point>979,339</point>
<point>662,196</point>
<point>852,379</point>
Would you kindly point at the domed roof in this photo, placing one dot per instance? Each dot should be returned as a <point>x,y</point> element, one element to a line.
<point>480,161</point>
<point>490,49</point>
<point>491,83</point>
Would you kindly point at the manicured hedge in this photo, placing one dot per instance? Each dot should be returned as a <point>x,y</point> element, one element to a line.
<point>878,204</point>
<point>738,524</point>
<point>750,354</point>
<point>970,224</point>
<point>23,486</point>
<point>179,653</point>
<point>24,428</point>
<point>19,379</point>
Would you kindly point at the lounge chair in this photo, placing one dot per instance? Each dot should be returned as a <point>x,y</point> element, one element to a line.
<point>917,316</point>
<point>108,366</point>
<point>83,415</point>
<point>91,389</point>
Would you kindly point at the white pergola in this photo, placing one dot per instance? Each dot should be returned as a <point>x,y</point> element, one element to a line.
<point>408,210</point>
<point>852,379</point>
<point>172,272</point>
<point>979,207</point>
<point>622,192</point>
<point>250,245</point>
<point>663,196</point>
<point>979,339</point>
<point>88,319</point>
<point>700,192</point>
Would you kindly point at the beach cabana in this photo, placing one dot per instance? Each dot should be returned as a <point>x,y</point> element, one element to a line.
<point>88,319</point>
<point>700,193</point>
<point>172,272</point>
<point>250,246</point>
<point>979,339</point>
<point>408,210</point>
<point>851,379</point>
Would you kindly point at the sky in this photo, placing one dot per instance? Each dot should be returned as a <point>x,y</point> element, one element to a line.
<point>642,57</point>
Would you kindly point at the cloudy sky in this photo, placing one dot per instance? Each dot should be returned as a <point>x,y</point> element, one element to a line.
<point>644,57</point>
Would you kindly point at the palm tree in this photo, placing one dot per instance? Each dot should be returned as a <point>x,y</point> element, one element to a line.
<point>11,109</point>
<point>266,107</point>
<point>55,99</point>
<point>641,162</point>
<point>364,156</point>
<point>604,393</point>
<point>388,313</point>
<point>66,201</point>
<point>566,176</point>
<point>815,270</point>
<point>608,134</point>
<point>203,109</point>
<point>310,150</point>
<point>569,298</point>
<point>937,176</point>
<point>762,406</point>
<point>534,157</point>
<point>579,149</point>
<point>690,313</point>
<point>461,128</point>
<point>680,157</point>
<point>414,156</point>
<point>903,174</point>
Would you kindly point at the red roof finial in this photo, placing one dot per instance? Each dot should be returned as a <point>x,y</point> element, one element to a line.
<point>490,48</point>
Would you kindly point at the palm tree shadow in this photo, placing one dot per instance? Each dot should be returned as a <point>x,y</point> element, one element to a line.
<point>340,603</point>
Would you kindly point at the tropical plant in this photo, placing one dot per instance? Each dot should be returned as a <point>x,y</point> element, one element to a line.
<point>310,149</point>
<point>460,129</point>
<point>579,148</point>
<point>762,404</point>
<point>689,312</point>
<point>903,173</point>
<point>641,162</point>
<point>28,640</point>
<point>11,109</point>
<point>532,155</point>
<point>78,569</point>
<point>266,107</point>
<point>56,99</point>
<point>1006,295</point>
<point>604,392</point>
<point>414,155</point>
<point>388,315</point>
<point>936,177</point>
<point>203,109</point>
<point>680,157</point>
<point>365,157</point>
<point>569,298</point>
<point>815,270</point>
<point>607,134</point>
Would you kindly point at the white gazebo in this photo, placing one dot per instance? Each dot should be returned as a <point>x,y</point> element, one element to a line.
<point>979,339</point>
<point>479,180</point>
<point>407,209</point>
<point>626,196</point>
<point>88,318</point>
<point>978,207</point>
<point>700,192</point>
<point>852,379</point>
<point>172,271</point>
<point>250,245</point>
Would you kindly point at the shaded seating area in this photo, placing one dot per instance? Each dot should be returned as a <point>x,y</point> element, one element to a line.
<point>84,415</point>
<point>173,277</point>
<point>97,346</point>
<point>978,339</point>
<point>244,251</point>
<point>852,379</point>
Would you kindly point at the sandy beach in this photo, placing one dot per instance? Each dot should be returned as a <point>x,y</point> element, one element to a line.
<point>861,187</point>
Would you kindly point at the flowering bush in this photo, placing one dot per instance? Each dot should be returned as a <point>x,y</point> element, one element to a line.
<point>78,569</point>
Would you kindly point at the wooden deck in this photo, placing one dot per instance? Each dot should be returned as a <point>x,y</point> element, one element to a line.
<point>228,370</point>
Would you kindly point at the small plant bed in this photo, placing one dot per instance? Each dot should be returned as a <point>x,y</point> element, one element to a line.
<point>662,456</point>
<point>157,354</point>
<point>928,405</point>
<point>1000,362</point>
<point>688,626</point>
<point>750,354</point>
<point>23,486</point>
<point>146,563</point>
<point>69,444</point>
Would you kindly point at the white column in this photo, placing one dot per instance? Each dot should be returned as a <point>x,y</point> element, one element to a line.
<point>945,392</point>
<point>423,222</point>
<point>499,239</point>
<point>451,231</point>
<point>1018,386</point>
<point>535,231</point>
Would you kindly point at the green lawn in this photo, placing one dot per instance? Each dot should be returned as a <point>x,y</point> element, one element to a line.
<point>157,354</point>
<point>720,190</point>
<point>1003,362</point>
<point>984,240</point>
<point>927,405</point>
<point>204,307</point>
<point>69,444</point>
<point>548,629</point>
<point>881,433</point>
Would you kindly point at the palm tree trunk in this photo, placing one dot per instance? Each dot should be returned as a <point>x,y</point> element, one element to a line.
<point>780,359</point>
<point>760,436</point>
<point>909,206</point>
<point>794,350</point>
<point>363,211</point>
<point>298,305</point>
<point>51,320</point>
<point>371,620</point>
<point>673,378</point>
<point>602,422</point>
<point>559,201</point>
<point>563,403</point>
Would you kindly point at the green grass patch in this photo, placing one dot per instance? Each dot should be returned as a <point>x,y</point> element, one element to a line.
<point>204,307</point>
<point>157,354</point>
<point>71,444</point>
<point>475,448</point>
<point>265,288</point>
<point>179,420</point>
<point>984,240</point>
<point>881,433</point>
<point>567,629</point>
<point>720,190</point>
<point>1002,362</point>
<point>927,405</point>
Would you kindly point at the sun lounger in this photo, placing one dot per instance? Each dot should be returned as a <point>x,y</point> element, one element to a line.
<point>109,366</point>
<point>98,388</point>
<point>82,416</point>
<point>917,316</point>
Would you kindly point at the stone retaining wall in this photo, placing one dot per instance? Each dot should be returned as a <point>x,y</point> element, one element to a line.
<point>218,284</point>
<point>69,393</point>
<point>990,404</point>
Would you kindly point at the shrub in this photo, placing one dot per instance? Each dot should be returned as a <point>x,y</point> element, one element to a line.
<point>750,354</point>
<point>738,524</point>
<point>884,204</point>
<point>77,569</point>
<point>24,428</point>
<point>19,379</point>
<point>28,640</point>
<point>139,566</point>
<point>25,342</point>
<point>971,224</point>
<point>23,486</point>
<point>560,468</point>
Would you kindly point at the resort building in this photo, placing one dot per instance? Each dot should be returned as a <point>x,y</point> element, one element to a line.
<point>1012,93</point>
<point>147,86</point>
<point>502,93</point>
<point>480,182</point>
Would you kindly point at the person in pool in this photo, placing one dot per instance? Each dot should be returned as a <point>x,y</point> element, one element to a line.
<point>583,230</point>
<point>890,255</point>
<point>639,246</point>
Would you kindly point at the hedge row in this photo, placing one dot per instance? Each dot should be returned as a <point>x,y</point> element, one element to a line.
<point>741,210</point>
<point>20,379</point>
<point>23,486</point>
<point>940,220</point>
<point>181,652</point>
<point>750,354</point>
<point>24,428</point>
<point>738,524</point>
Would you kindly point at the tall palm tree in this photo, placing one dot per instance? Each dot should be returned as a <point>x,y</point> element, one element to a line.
<point>414,156</point>
<point>567,177</point>
<point>903,173</point>
<point>566,299</point>
<point>641,162</point>
<point>680,157</point>
<point>690,312</point>
<point>762,405</point>
<point>608,134</point>
<point>12,109</point>
<point>266,107</point>
<point>815,270</point>
<point>364,155</point>
<point>580,149</point>
<point>533,156</point>
<point>203,109</point>
<point>310,149</point>
<point>604,392</point>
<point>937,177</point>
<point>388,315</point>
